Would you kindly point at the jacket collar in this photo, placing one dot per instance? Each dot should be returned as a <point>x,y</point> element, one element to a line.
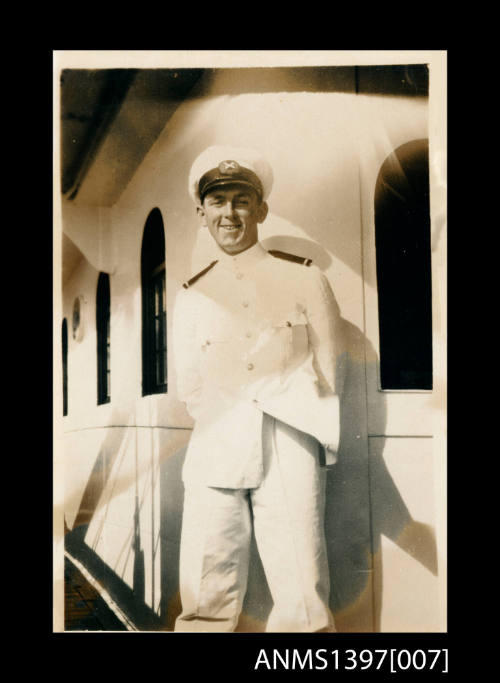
<point>243,261</point>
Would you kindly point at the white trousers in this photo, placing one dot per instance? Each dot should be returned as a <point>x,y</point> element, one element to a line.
<point>288,520</point>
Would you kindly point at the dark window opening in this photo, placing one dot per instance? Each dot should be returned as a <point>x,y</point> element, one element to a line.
<point>64,343</point>
<point>154,308</point>
<point>403,247</point>
<point>103,325</point>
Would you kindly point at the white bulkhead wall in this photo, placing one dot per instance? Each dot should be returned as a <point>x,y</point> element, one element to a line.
<point>317,143</point>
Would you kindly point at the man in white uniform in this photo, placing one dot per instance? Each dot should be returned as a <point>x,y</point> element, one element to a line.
<point>255,345</point>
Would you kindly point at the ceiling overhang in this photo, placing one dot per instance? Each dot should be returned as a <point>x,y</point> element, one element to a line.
<point>110,118</point>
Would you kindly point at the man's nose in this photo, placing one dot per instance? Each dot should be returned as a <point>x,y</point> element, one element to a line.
<point>229,208</point>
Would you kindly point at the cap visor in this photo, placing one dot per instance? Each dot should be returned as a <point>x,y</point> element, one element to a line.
<point>210,187</point>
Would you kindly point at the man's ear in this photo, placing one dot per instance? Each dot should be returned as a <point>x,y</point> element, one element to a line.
<point>262,212</point>
<point>201,216</point>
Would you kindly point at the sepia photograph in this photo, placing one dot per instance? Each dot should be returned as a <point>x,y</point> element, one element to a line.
<point>249,297</point>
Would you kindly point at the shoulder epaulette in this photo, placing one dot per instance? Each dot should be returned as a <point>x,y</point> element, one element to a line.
<point>290,257</point>
<point>192,280</point>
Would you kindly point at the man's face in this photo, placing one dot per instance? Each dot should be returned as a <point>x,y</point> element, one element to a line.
<point>232,214</point>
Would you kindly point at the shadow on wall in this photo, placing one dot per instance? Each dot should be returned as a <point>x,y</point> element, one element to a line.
<point>363,503</point>
<point>130,599</point>
<point>101,471</point>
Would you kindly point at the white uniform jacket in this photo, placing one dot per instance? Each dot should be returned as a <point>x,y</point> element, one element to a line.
<point>255,334</point>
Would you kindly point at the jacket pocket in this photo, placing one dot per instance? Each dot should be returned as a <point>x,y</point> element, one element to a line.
<point>291,328</point>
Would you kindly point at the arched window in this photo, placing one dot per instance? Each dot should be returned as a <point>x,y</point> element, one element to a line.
<point>103,339</point>
<point>403,248</point>
<point>64,344</point>
<point>154,309</point>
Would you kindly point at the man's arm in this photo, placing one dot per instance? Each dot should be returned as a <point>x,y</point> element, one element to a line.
<point>324,328</point>
<point>186,352</point>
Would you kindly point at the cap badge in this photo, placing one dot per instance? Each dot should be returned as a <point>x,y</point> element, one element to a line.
<point>229,167</point>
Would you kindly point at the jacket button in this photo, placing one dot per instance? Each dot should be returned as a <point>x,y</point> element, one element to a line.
<point>248,334</point>
<point>245,304</point>
<point>250,366</point>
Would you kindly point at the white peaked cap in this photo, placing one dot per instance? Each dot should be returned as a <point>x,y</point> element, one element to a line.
<point>224,165</point>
